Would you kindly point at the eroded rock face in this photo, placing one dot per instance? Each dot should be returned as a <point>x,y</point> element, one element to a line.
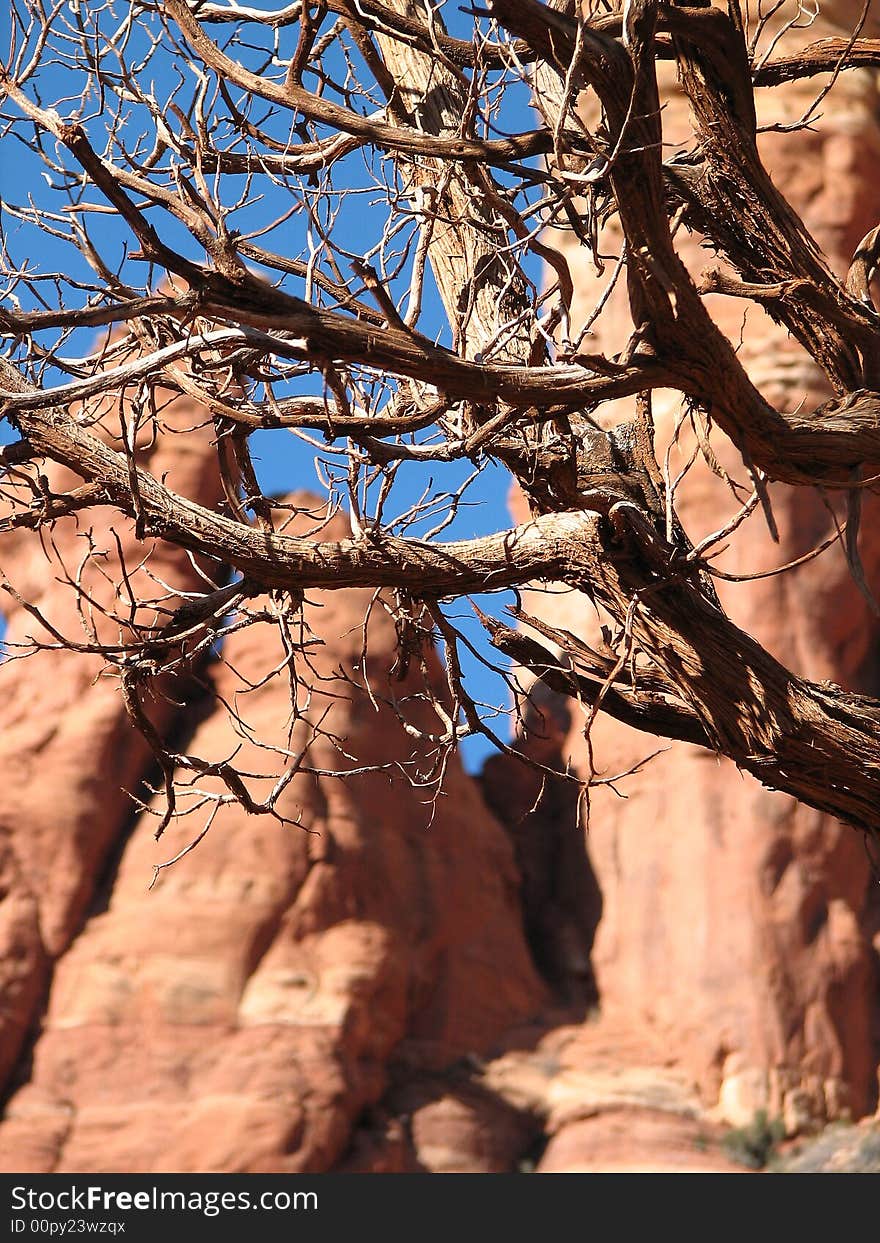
<point>736,925</point>
<point>312,996</point>
<point>445,1124</point>
<point>23,960</point>
<point>840,1150</point>
<point>241,1015</point>
<point>560,897</point>
<point>67,753</point>
<point>636,1141</point>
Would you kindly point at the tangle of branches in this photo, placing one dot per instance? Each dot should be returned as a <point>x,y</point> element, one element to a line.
<point>342,231</point>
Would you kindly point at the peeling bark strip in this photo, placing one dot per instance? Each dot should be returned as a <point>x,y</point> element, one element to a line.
<point>517,382</point>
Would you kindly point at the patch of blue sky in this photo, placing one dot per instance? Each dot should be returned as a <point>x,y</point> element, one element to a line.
<point>350,204</point>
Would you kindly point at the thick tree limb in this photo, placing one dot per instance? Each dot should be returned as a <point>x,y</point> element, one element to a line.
<point>634,706</point>
<point>813,741</point>
<point>822,57</point>
<point>240,345</point>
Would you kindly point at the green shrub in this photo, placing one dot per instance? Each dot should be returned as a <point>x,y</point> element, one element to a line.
<point>754,1145</point>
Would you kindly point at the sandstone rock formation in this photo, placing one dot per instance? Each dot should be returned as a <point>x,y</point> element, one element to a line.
<point>67,753</point>
<point>380,990</point>
<point>841,1149</point>
<point>737,927</point>
<point>241,1015</point>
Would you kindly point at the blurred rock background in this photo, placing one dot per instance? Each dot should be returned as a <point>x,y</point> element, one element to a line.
<point>691,984</point>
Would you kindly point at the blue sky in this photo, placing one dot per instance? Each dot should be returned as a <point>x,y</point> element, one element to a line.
<point>283,462</point>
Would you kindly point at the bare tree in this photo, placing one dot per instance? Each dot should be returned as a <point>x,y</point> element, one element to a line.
<point>259,200</point>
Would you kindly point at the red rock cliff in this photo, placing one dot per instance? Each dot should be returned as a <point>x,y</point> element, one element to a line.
<point>362,995</point>
<point>737,926</point>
